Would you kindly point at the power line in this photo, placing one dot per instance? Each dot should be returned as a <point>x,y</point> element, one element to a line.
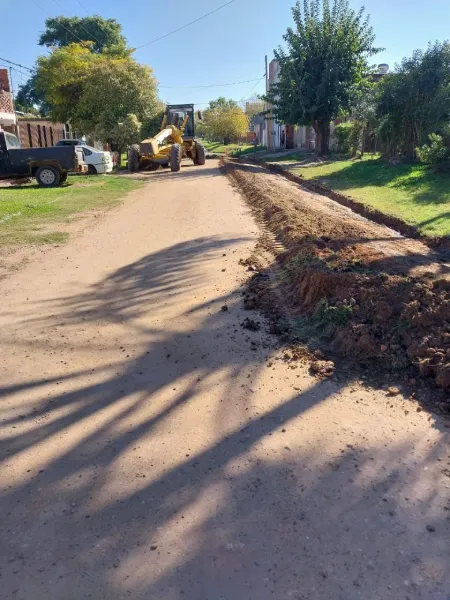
<point>250,92</point>
<point>256,84</point>
<point>188,87</point>
<point>82,26</point>
<point>187,25</point>
<point>84,8</point>
<point>16,64</point>
<point>68,30</point>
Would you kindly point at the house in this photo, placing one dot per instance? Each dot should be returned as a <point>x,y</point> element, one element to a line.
<point>282,136</point>
<point>8,117</point>
<point>32,132</point>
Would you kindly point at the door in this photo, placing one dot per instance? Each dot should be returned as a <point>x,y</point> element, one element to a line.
<point>289,137</point>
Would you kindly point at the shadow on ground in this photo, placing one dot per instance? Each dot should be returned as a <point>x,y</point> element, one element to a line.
<point>234,520</point>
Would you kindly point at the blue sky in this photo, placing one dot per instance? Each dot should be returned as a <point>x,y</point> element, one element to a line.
<point>228,46</point>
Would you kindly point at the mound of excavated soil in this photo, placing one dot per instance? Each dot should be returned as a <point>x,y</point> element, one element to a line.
<point>382,299</point>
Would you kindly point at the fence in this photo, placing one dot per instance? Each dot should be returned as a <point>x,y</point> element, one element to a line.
<point>38,133</point>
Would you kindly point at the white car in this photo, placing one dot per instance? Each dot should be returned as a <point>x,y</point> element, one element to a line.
<point>98,161</point>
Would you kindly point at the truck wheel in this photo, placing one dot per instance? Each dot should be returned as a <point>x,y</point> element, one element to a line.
<point>200,154</point>
<point>133,158</point>
<point>176,155</point>
<point>48,176</point>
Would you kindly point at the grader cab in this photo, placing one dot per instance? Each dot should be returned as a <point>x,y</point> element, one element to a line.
<point>175,141</point>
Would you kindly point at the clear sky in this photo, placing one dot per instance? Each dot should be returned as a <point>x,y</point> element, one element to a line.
<point>226,47</point>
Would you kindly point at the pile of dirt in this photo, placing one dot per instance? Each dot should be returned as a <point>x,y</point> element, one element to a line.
<point>358,287</point>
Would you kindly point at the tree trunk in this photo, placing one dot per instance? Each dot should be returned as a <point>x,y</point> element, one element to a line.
<point>363,142</point>
<point>322,129</point>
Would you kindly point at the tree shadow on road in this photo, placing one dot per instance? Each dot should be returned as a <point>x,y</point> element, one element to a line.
<point>229,519</point>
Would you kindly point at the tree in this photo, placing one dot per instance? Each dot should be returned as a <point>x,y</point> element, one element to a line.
<point>29,100</point>
<point>225,120</point>
<point>95,92</point>
<point>414,101</point>
<point>363,116</point>
<point>126,133</point>
<point>103,33</point>
<point>254,107</point>
<point>222,104</point>
<point>152,125</point>
<point>327,55</point>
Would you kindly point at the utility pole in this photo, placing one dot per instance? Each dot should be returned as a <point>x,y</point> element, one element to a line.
<point>268,116</point>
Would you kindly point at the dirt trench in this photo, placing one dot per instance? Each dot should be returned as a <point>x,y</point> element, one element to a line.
<point>376,297</point>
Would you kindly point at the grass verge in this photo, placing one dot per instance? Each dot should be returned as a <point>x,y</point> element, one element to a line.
<point>406,191</point>
<point>219,148</point>
<point>30,214</point>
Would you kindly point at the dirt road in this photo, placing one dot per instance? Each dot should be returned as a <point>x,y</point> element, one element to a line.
<point>152,448</point>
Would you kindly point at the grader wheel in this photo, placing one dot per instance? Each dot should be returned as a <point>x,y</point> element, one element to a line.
<point>200,154</point>
<point>176,154</point>
<point>133,158</point>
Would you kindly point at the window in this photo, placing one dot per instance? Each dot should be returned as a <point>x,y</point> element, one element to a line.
<point>86,152</point>
<point>11,141</point>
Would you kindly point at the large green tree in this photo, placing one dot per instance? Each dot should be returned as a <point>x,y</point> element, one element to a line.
<point>95,92</point>
<point>326,56</point>
<point>224,120</point>
<point>103,33</point>
<point>414,100</point>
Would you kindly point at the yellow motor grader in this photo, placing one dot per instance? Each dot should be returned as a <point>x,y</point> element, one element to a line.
<point>175,141</point>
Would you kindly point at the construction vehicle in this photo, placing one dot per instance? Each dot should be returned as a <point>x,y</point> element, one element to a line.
<point>175,141</point>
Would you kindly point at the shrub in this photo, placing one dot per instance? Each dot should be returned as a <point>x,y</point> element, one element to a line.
<point>344,135</point>
<point>335,316</point>
<point>435,154</point>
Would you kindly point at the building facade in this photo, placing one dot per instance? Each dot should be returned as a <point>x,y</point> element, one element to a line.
<point>8,119</point>
<point>283,136</point>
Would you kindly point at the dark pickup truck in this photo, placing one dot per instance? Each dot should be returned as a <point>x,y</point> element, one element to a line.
<point>50,166</point>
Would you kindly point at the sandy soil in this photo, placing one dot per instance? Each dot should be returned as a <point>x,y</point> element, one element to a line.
<point>152,448</point>
<point>320,217</point>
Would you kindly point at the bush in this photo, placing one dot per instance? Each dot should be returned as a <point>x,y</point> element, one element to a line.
<point>435,154</point>
<point>344,135</point>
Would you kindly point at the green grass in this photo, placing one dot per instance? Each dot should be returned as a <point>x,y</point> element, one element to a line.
<point>408,191</point>
<point>30,214</point>
<point>219,148</point>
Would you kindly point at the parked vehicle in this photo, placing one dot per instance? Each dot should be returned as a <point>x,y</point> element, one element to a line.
<point>71,142</point>
<point>97,161</point>
<point>50,166</point>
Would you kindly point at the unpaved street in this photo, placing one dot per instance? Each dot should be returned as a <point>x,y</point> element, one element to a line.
<point>153,449</point>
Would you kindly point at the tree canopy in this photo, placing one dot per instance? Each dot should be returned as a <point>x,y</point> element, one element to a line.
<point>28,98</point>
<point>225,120</point>
<point>414,100</point>
<point>103,33</point>
<point>326,57</point>
<point>95,91</point>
